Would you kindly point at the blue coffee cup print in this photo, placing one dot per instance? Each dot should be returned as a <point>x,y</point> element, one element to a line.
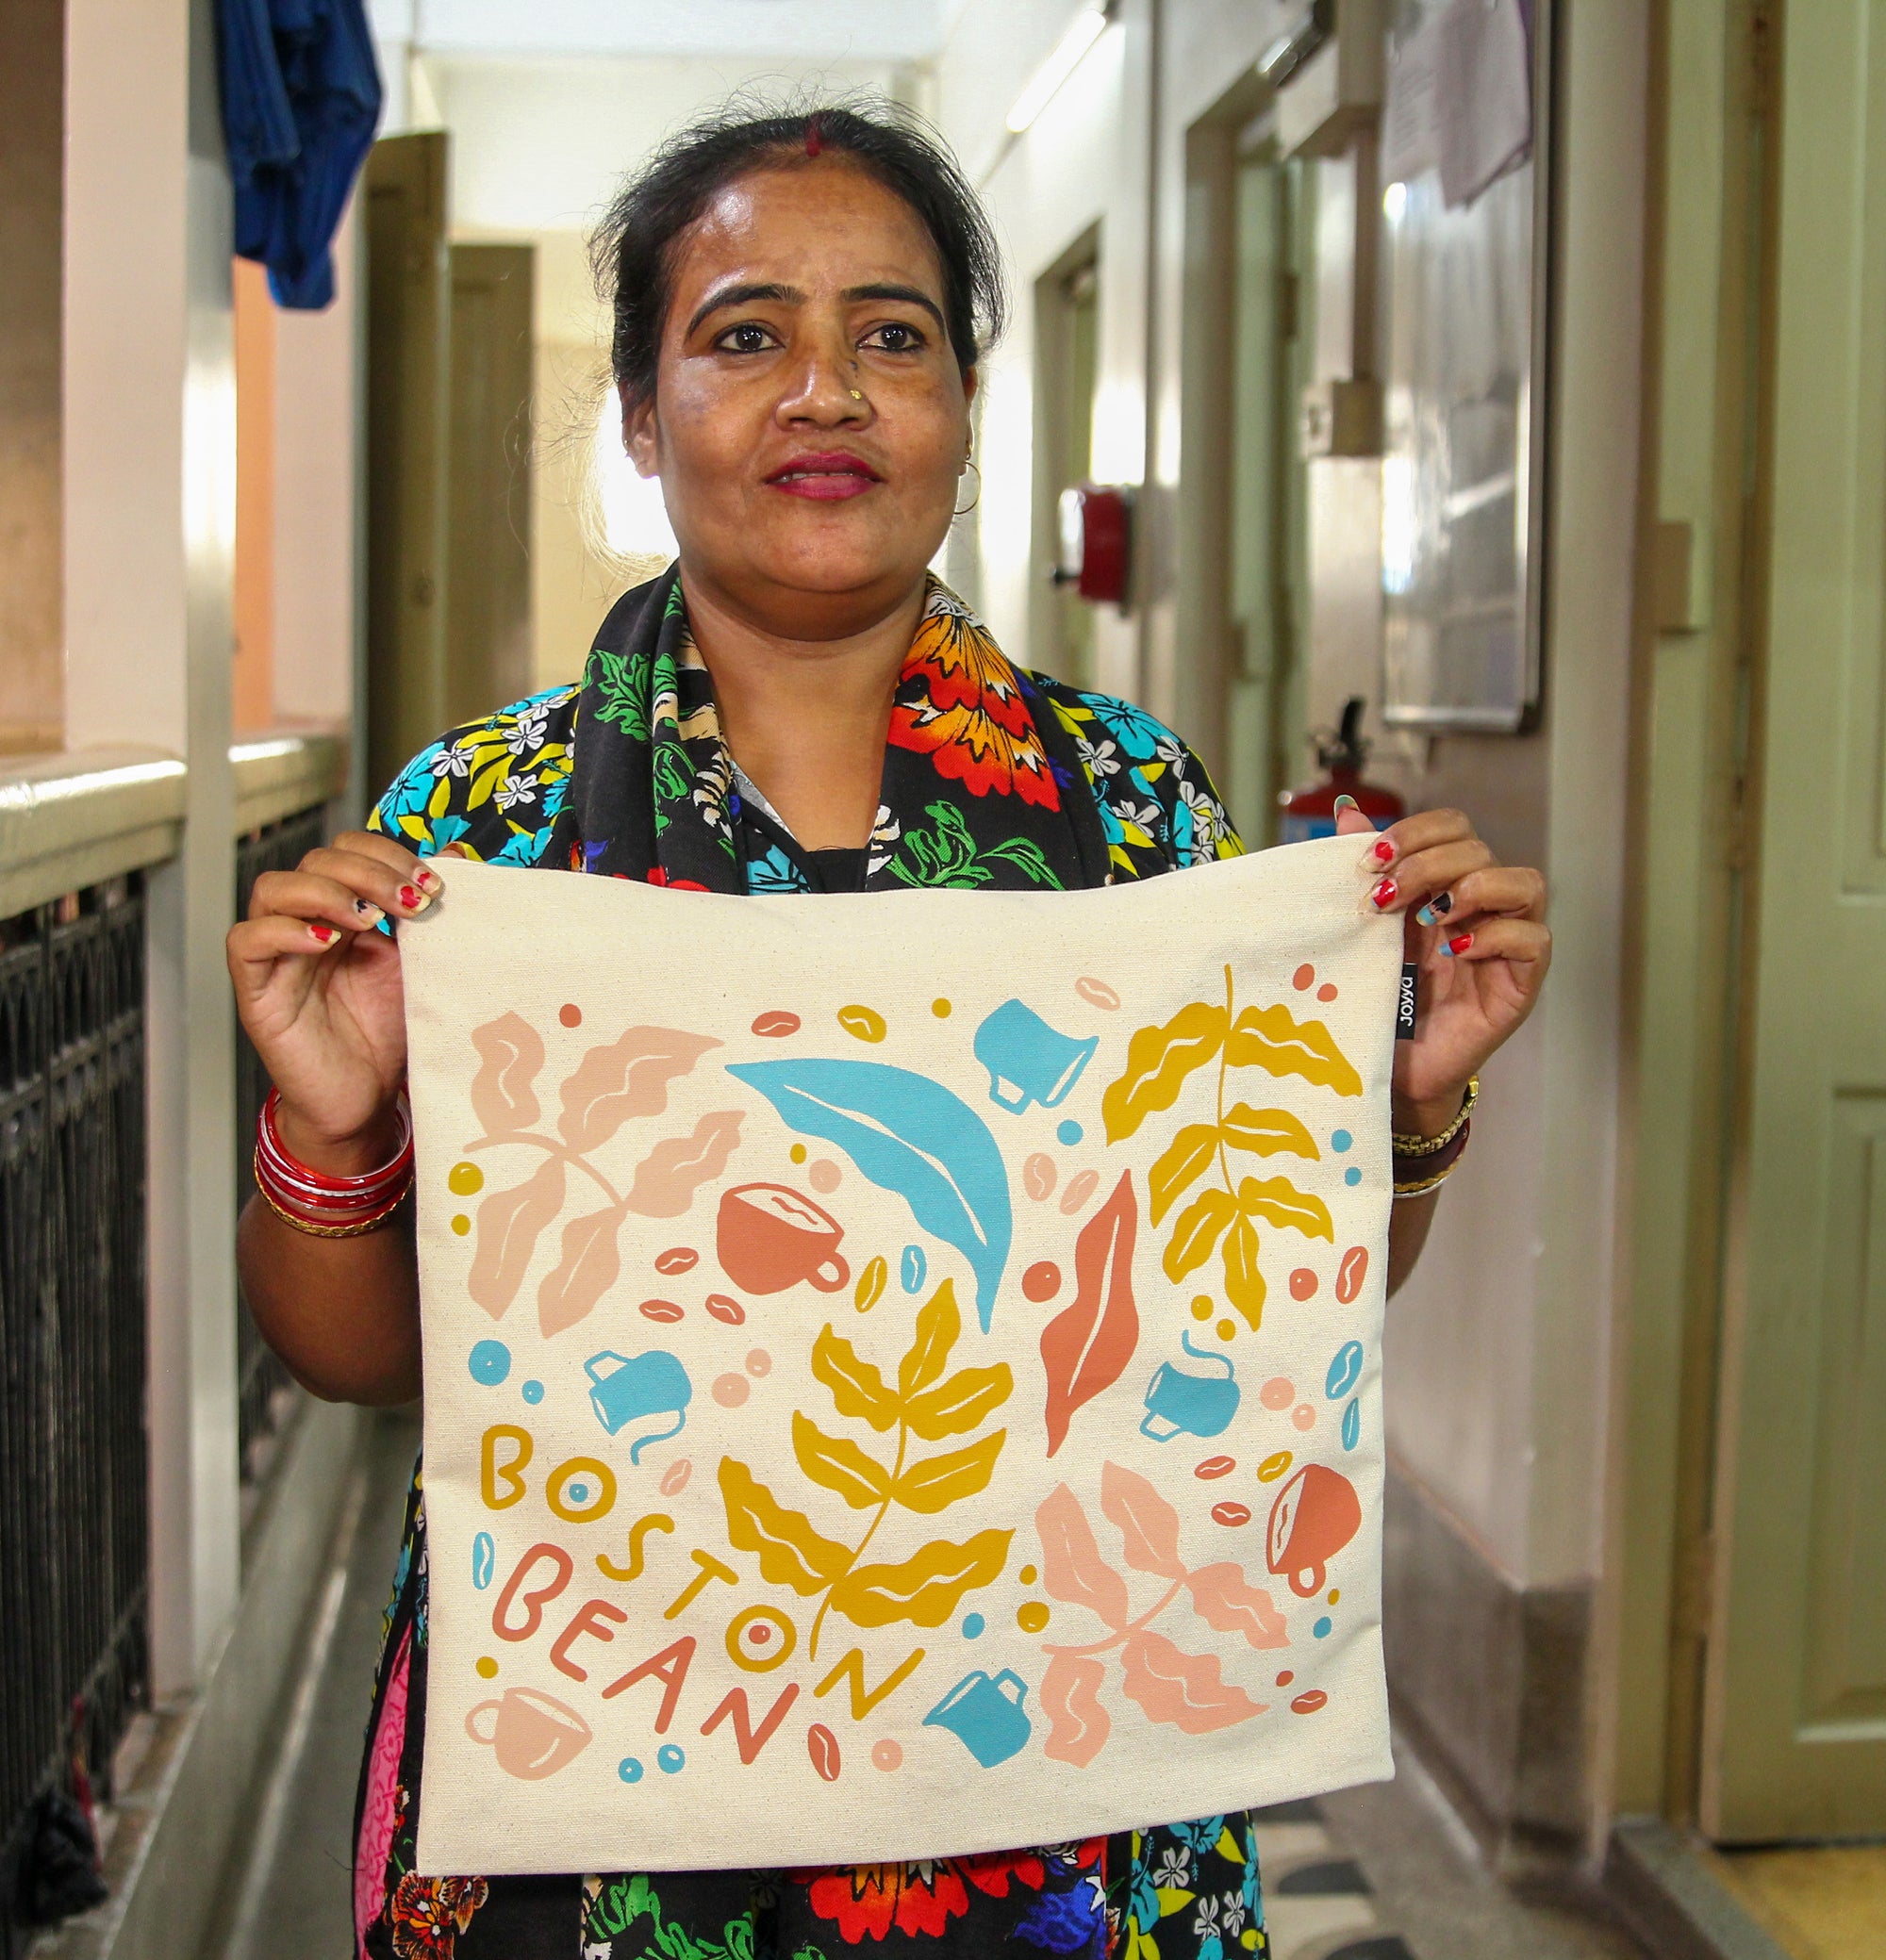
<point>984,1713</point>
<point>1027,1061</point>
<point>1179,1403</point>
<point>626,1388</point>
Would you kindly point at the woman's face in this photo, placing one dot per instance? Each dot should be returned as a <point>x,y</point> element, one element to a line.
<point>809,422</point>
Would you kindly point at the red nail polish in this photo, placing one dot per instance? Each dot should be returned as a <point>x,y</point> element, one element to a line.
<point>1461,945</point>
<point>408,897</point>
<point>1385,851</point>
<point>1383,895</point>
<point>324,933</point>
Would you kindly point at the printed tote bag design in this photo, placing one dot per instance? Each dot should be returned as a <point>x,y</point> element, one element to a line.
<point>901,1372</point>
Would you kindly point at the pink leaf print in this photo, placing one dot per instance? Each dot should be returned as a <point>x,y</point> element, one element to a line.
<point>1087,1346</point>
<point>1228,1602</point>
<point>627,1078</point>
<point>510,1052</point>
<point>508,1224</point>
<point>677,1167</point>
<point>587,1270</point>
<point>1148,1524</point>
<point>1185,1690</point>
<point>380,1806</point>
<point>1071,1566</point>
<point>1078,1725</point>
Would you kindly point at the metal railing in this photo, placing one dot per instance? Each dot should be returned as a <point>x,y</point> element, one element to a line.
<point>74,1529</point>
<point>264,1388</point>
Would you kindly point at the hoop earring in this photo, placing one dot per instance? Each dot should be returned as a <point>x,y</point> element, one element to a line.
<point>971,463</point>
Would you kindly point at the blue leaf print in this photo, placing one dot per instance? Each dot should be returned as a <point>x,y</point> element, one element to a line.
<point>525,848</point>
<point>1133,728</point>
<point>909,1135</point>
<point>775,874</point>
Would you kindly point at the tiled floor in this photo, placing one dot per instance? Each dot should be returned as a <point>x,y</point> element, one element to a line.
<point>1378,1873</point>
<point>1824,1902</point>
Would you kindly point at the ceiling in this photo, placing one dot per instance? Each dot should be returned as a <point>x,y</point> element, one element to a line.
<point>860,31</point>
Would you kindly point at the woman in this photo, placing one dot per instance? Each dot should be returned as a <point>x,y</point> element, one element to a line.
<point>800,305</point>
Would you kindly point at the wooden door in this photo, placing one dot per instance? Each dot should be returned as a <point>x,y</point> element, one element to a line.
<point>488,610</point>
<point>408,380</point>
<point>1794,1726</point>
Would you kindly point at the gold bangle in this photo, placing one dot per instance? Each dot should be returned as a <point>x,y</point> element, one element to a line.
<point>1422,1186</point>
<point>1405,1146</point>
<point>332,1231</point>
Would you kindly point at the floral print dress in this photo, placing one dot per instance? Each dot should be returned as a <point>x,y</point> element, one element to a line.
<point>993,777</point>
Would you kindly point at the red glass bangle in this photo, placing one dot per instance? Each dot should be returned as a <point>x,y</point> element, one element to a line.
<point>318,1203</point>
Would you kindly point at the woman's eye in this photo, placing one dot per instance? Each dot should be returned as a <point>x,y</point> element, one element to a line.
<point>748,337</point>
<point>895,337</point>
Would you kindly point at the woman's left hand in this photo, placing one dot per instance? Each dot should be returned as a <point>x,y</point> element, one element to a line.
<point>1477,928</point>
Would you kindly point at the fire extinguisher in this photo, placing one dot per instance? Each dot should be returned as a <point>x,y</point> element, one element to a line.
<point>1311,811</point>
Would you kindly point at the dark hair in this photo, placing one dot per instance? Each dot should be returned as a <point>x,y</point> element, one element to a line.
<point>633,249</point>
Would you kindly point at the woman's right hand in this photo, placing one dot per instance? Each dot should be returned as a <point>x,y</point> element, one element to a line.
<point>318,989</point>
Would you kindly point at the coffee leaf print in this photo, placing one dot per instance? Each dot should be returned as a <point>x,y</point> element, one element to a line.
<point>627,1077</point>
<point>510,1054</point>
<point>791,1553</point>
<point>1078,1724</point>
<point>836,1463</point>
<point>1196,1232</point>
<point>857,1387</point>
<point>1278,1201</point>
<point>1186,1690</point>
<point>1072,1569</point>
<point>1147,1526</point>
<point>1225,1600</point>
<point>1086,1347</point>
<point>509,1223</point>
<point>909,1135</point>
<point>1244,1279</point>
<point>1268,1133</point>
<point>1269,1038</point>
<point>667,1178</point>
<point>954,1406</point>
<point>925,1588</point>
<point>938,1325</point>
<point>1158,1059</point>
<point>590,1262</point>
<point>1184,1161</point>
<point>934,1483</point>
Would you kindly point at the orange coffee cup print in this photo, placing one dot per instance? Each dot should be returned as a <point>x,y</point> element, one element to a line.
<point>769,1237</point>
<point>532,1735</point>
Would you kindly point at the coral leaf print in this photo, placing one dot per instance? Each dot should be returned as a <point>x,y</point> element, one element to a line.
<point>1224,1599</point>
<point>1185,1690</point>
<point>1072,1569</point>
<point>857,1387</point>
<point>1079,1727</point>
<point>925,1590</point>
<point>1269,1038</point>
<point>836,1463</point>
<point>1147,1523</point>
<point>627,1077</point>
<point>1268,1133</point>
<point>510,1053</point>
<point>587,1270</point>
<point>791,1553</point>
<point>934,1483</point>
<point>909,1135</point>
<point>1196,1232</point>
<point>1278,1201</point>
<point>667,1178</point>
<point>508,1224</point>
<point>1244,1279</point>
<point>1087,1346</point>
<point>1158,1059</point>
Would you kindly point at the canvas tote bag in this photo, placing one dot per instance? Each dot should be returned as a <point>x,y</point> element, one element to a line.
<point>901,1371</point>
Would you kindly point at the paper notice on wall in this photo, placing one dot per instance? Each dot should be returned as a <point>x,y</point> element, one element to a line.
<point>1482,96</point>
<point>1409,144</point>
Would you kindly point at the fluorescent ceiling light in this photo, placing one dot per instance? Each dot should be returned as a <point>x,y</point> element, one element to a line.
<point>1083,31</point>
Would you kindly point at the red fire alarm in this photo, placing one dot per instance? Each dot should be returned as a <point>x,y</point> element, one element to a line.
<point>1095,541</point>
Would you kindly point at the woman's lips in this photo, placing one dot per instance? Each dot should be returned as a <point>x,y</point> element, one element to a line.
<point>824,478</point>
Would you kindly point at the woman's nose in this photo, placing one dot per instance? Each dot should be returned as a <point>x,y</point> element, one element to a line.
<point>825,390</point>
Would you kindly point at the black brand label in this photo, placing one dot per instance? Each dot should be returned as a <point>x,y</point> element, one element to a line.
<point>1404,1002</point>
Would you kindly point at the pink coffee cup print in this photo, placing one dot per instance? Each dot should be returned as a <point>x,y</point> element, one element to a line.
<point>769,1237</point>
<point>532,1735</point>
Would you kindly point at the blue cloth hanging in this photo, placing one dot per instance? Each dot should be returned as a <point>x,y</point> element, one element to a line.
<point>301,98</point>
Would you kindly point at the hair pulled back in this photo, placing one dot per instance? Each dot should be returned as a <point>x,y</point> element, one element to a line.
<point>633,251</point>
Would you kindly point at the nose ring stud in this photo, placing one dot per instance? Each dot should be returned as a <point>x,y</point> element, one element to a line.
<point>858,394</point>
